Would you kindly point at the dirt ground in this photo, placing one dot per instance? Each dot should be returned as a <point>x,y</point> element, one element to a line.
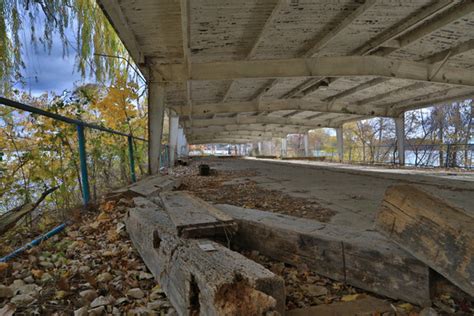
<point>93,269</point>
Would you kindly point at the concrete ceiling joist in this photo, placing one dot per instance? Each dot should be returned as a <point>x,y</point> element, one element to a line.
<point>451,14</point>
<point>347,66</point>
<point>237,133</point>
<point>266,26</point>
<point>322,42</point>
<point>114,14</point>
<point>256,120</point>
<point>450,52</point>
<point>442,97</point>
<point>247,128</point>
<point>281,105</point>
<point>415,24</point>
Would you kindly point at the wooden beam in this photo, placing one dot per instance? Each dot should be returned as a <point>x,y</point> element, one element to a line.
<point>322,42</point>
<point>199,276</point>
<point>117,19</point>
<point>193,217</point>
<point>433,231</point>
<point>417,19</point>
<point>347,66</point>
<point>365,259</point>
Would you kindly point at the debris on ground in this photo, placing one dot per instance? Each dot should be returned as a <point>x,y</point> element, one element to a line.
<point>90,269</point>
<point>219,188</point>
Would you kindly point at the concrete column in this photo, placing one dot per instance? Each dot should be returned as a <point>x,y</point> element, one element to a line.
<point>259,148</point>
<point>156,113</point>
<point>400,132</point>
<point>340,143</point>
<point>173,138</point>
<point>181,142</point>
<point>283,147</point>
<point>306,144</point>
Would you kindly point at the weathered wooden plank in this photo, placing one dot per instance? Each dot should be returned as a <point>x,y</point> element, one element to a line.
<point>217,282</point>
<point>433,231</point>
<point>148,187</point>
<point>193,217</point>
<point>364,306</point>
<point>364,259</point>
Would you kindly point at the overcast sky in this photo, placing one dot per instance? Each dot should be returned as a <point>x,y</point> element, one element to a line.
<point>48,71</point>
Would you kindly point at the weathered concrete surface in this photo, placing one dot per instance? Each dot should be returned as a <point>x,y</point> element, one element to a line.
<point>353,192</point>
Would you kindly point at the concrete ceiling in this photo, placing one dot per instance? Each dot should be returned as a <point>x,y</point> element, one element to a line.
<point>233,69</point>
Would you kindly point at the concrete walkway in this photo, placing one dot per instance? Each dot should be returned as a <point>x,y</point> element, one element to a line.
<point>353,192</point>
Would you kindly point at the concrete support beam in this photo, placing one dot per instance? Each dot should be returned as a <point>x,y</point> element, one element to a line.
<point>306,144</point>
<point>340,143</point>
<point>400,132</point>
<point>339,66</point>
<point>259,148</point>
<point>156,113</point>
<point>173,137</point>
<point>283,147</point>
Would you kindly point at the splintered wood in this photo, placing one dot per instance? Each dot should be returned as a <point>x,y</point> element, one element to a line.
<point>195,218</point>
<point>150,186</point>
<point>433,231</point>
<point>215,281</point>
<point>364,259</point>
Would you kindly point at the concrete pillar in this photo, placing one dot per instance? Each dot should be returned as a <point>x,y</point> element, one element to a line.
<point>173,138</point>
<point>259,148</point>
<point>156,113</point>
<point>306,145</point>
<point>283,147</point>
<point>181,142</point>
<point>400,132</point>
<point>340,143</point>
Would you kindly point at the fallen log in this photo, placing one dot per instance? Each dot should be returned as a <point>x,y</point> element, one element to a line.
<point>433,231</point>
<point>9,219</point>
<point>201,276</point>
<point>195,218</point>
<point>364,259</point>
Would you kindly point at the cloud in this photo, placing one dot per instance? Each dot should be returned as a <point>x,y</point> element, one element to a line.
<point>47,71</point>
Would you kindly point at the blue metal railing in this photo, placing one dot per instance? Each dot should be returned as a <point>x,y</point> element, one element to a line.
<point>80,125</point>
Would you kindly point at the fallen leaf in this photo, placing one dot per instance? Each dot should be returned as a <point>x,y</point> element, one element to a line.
<point>350,298</point>
<point>3,266</point>
<point>103,217</point>
<point>37,273</point>
<point>406,306</point>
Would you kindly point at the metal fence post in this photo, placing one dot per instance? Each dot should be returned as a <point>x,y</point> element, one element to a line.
<point>83,160</point>
<point>447,155</point>
<point>132,159</point>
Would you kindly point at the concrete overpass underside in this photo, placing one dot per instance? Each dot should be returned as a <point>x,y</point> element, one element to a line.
<point>294,65</point>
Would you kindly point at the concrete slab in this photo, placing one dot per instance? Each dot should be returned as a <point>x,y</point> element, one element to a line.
<point>353,192</point>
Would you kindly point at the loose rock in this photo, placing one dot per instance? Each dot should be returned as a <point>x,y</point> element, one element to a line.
<point>136,293</point>
<point>22,300</point>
